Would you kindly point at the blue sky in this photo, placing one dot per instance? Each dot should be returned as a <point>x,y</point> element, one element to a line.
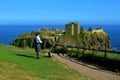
<point>59,11</point>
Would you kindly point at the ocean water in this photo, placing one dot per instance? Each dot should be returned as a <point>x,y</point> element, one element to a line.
<point>10,32</point>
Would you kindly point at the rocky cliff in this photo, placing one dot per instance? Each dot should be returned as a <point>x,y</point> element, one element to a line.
<point>97,40</point>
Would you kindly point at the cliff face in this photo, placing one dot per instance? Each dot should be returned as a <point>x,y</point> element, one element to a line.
<point>92,39</point>
<point>75,36</point>
<point>97,40</point>
<point>24,40</point>
<point>27,40</point>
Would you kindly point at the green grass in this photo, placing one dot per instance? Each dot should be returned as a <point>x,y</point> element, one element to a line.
<point>21,64</point>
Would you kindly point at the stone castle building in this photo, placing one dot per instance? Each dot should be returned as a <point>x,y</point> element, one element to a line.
<point>73,28</point>
<point>98,30</point>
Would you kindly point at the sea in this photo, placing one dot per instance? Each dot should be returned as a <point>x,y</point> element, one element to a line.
<point>9,32</point>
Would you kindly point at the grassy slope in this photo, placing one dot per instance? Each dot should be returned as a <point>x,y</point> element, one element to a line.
<point>19,64</point>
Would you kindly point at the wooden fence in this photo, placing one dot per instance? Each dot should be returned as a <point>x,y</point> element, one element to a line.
<point>93,50</point>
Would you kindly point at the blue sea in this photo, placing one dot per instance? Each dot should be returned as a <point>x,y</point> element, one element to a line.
<point>9,32</point>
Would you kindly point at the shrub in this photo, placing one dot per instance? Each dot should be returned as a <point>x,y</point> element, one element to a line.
<point>73,54</point>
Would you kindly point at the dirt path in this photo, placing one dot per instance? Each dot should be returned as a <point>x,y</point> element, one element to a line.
<point>92,72</point>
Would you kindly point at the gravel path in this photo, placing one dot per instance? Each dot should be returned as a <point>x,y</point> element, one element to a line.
<point>88,70</point>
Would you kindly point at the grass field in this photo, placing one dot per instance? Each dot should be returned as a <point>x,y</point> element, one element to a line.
<point>21,64</point>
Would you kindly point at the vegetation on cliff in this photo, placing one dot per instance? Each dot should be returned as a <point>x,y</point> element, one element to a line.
<point>27,39</point>
<point>88,39</point>
<point>92,39</point>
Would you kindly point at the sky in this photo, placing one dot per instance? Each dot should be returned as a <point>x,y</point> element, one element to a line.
<point>59,11</point>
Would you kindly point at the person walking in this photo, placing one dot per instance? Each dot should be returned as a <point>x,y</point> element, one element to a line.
<point>37,45</point>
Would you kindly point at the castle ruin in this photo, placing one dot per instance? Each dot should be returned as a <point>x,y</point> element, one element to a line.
<point>73,28</point>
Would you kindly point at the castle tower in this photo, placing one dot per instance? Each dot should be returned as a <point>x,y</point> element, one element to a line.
<point>76,28</point>
<point>73,28</point>
<point>69,29</point>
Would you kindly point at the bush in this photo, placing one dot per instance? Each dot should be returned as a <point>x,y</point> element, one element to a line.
<point>73,54</point>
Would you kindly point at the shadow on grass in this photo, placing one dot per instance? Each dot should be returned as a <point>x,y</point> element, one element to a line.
<point>46,56</point>
<point>23,55</point>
